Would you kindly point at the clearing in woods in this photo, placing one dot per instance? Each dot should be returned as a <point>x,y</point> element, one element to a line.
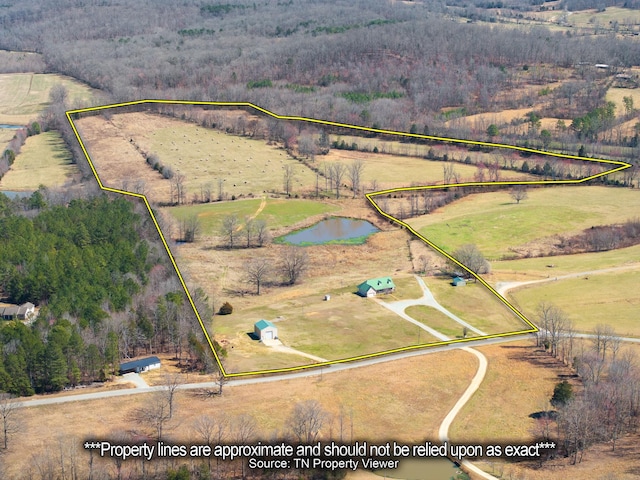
<point>43,160</point>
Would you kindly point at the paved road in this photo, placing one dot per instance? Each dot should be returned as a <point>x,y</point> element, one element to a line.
<point>272,378</point>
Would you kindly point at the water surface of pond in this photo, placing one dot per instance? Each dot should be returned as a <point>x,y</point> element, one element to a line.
<point>336,230</point>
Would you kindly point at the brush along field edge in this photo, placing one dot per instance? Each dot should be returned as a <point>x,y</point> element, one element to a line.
<point>616,166</point>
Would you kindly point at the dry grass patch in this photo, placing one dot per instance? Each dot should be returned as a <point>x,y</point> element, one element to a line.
<point>204,155</point>
<point>616,94</point>
<point>410,398</point>
<point>519,381</point>
<point>43,160</point>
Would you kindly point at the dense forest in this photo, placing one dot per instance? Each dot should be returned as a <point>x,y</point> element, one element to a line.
<point>102,291</point>
<point>388,63</point>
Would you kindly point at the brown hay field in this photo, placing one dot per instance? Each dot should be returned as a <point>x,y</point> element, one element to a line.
<point>410,403</point>
<point>204,155</point>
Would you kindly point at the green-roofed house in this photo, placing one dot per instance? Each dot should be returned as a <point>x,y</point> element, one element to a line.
<point>376,286</point>
<point>265,330</point>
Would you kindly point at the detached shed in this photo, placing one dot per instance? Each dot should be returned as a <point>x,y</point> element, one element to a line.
<point>139,366</point>
<point>265,330</point>
<point>458,282</point>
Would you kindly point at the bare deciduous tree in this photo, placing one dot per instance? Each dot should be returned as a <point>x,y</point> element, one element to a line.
<point>355,175</point>
<point>288,178</point>
<point>293,263</point>
<point>189,228</point>
<point>229,229</point>
<point>256,271</point>
<point>472,258</point>
<point>9,417</point>
<point>155,414</point>
<point>519,193</point>
<point>261,232</point>
<point>306,421</point>
<point>337,174</point>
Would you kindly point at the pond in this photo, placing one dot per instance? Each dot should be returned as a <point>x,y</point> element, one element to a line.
<point>335,230</point>
<point>435,468</point>
<point>13,195</point>
<point>11,127</point>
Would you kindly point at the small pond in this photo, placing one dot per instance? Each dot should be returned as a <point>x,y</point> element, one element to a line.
<point>335,230</point>
<point>13,195</point>
<point>11,127</point>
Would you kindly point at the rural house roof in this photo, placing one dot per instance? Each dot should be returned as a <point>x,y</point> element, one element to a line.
<point>377,284</point>
<point>262,324</point>
<point>139,364</point>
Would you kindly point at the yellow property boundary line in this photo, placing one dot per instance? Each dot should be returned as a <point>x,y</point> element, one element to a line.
<point>616,166</point>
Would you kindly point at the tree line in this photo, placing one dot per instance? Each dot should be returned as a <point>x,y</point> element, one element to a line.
<point>102,292</point>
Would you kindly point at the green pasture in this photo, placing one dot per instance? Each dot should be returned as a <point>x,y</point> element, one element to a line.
<point>494,222</point>
<point>43,160</point>
<point>476,305</point>
<point>608,298</point>
<point>437,320</point>
<point>277,212</point>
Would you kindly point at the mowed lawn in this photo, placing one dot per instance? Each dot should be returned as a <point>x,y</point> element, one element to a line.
<point>476,305</point>
<point>346,326</point>
<point>437,320</point>
<point>608,298</point>
<point>494,222</point>
<point>277,212</point>
<point>24,95</point>
<point>43,160</point>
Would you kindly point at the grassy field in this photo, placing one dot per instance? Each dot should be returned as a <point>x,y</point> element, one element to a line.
<point>406,288</point>
<point>402,164</point>
<point>410,403</point>
<point>476,305</point>
<point>589,300</point>
<point>24,95</point>
<point>346,326</point>
<point>43,160</point>
<point>495,223</point>
<point>519,382</point>
<point>616,95</point>
<point>278,213</point>
<point>205,155</point>
<point>538,268</point>
<point>436,320</point>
